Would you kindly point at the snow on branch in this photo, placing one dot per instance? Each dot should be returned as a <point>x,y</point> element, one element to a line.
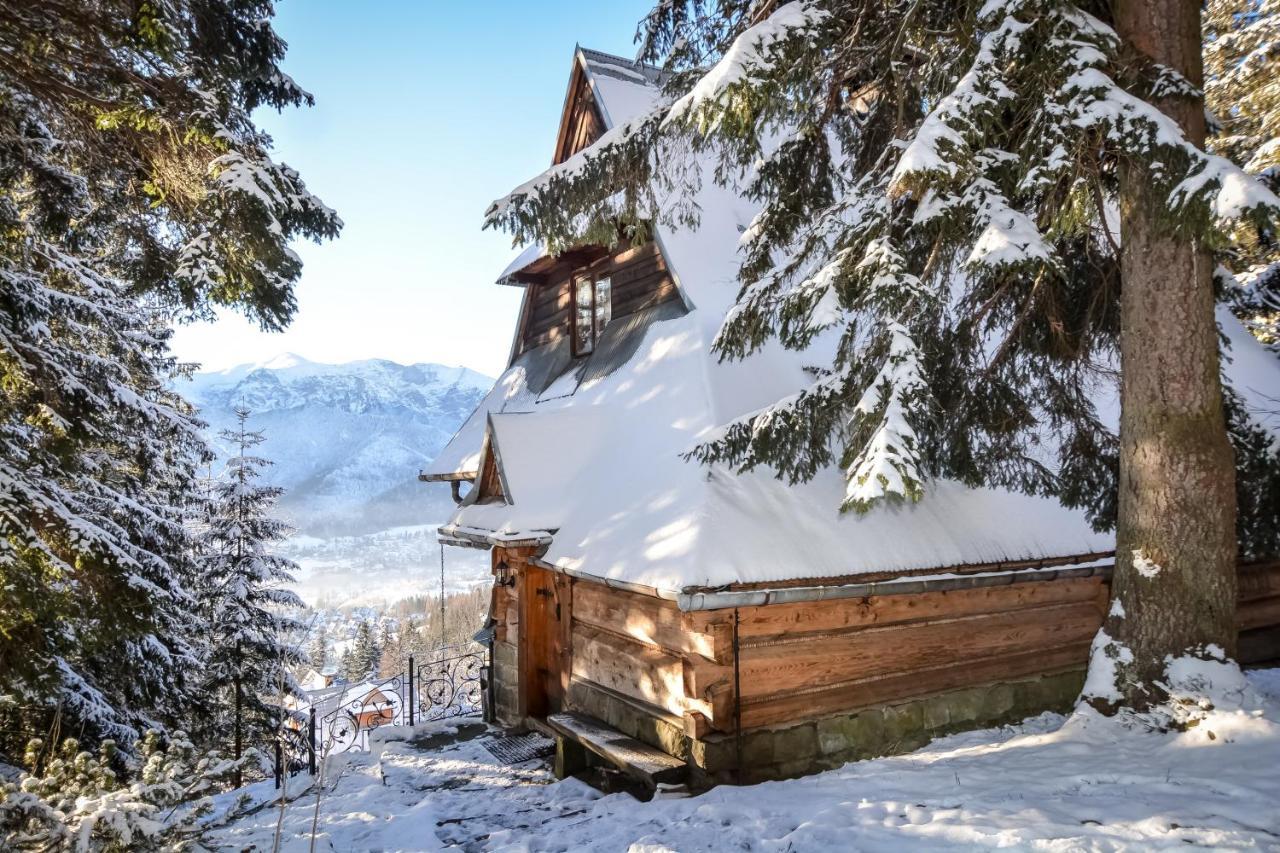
<point>750,55</point>
<point>887,465</point>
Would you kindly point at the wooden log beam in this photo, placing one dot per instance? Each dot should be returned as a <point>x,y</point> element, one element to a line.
<point>646,620</point>
<point>883,689</point>
<point>787,666</point>
<point>816,617</point>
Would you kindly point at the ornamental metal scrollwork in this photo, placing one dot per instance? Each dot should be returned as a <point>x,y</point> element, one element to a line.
<point>361,709</point>
<point>447,686</point>
<point>450,686</point>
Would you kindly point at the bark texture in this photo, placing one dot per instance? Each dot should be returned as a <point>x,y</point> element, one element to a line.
<point>1175,540</point>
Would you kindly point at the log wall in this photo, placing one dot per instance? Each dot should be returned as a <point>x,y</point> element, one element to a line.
<point>807,661</point>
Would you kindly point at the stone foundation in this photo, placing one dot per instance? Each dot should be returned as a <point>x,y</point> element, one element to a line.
<point>506,681</point>
<point>888,730</point>
<point>816,745</point>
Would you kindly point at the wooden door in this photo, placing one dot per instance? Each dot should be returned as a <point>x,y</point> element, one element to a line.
<point>545,638</point>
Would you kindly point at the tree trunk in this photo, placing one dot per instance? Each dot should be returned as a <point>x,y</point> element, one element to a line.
<point>1175,541</point>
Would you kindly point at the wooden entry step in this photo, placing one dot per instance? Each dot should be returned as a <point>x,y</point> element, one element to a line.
<point>638,760</point>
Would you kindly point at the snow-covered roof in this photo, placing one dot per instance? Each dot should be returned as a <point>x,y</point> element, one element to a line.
<point>526,256</point>
<point>594,463</point>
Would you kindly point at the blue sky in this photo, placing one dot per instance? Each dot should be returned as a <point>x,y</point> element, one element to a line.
<point>425,112</point>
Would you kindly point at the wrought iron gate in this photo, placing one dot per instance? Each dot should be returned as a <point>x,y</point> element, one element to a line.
<point>447,685</point>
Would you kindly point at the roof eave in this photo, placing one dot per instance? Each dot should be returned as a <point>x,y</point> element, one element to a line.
<point>453,477</point>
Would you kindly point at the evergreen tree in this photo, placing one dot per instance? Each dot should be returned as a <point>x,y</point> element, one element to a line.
<point>365,654</point>
<point>97,459</point>
<point>1242,91</point>
<point>941,184</point>
<point>386,638</point>
<point>136,120</point>
<point>244,600</point>
<point>134,188</point>
<point>318,651</point>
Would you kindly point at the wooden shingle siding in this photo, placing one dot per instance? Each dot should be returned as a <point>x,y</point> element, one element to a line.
<point>640,280</point>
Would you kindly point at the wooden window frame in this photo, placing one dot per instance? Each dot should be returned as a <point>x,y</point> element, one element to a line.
<point>596,331</point>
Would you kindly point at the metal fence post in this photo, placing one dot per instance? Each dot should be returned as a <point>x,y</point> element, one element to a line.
<point>311,741</point>
<point>279,764</point>
<point>411,702</point>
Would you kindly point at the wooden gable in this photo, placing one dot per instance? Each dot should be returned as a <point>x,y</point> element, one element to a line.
<point>489,485</point>
<point>581,122</point>
<point>640,276</point>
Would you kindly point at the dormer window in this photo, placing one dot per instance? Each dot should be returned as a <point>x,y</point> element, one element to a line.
<point>592,309</point>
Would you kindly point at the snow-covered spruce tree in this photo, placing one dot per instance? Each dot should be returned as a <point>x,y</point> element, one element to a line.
<point>961,190</point>
<point>1242,91</point>
<point>244,601</point>
<point>365,654</point>
<point>133,187</point>
<point>97,459</point>
<point>147,107</point>
<point>318,650</point>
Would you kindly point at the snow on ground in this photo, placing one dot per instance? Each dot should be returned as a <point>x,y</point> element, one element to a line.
<point>1051,783</point>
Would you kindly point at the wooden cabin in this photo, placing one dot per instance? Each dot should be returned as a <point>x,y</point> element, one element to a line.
<point>674,619</point>
<point>369,706</point>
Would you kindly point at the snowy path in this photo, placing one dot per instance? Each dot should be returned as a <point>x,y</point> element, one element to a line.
<point>1083,783</point>
<point>419,797</point>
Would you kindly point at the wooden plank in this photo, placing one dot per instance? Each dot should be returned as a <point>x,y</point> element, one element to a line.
<point>701,676</point>
<point>629,255</point>
<point>626,276</point>
<point>552,296</point>
<point>644,619</point>
<point>1260,646</point>
<point>583,696</point>
<point>541,325</point>
<point>809,617</point>
<point>880,690</point>
<point>660,293</point>
<point>696,725</point>
<point>1258,613</point>
<point>640,671</point>
<point>639,289</point>
<point>564,640</point>
<point>640,760</point>
<point>792,665</point>
<point>1261,581</point>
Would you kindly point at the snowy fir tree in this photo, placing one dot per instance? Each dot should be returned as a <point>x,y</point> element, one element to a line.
<point>244,601</point>
<point>363,656</point>
<point>97,460</point>
<point>134,189</point>
<point>346,666</point>
<point>1242,91</point>
<point>980,211</point>
<point>318,650</point>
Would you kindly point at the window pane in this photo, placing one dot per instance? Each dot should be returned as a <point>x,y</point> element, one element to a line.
<point>604,305</point>
<point>582,328</point>
<point>583,335</point>
<point>582,288</point>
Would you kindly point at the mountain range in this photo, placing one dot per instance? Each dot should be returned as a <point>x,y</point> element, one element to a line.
<point>347,442</point>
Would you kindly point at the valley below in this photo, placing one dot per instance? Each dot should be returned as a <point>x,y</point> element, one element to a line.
<point>347,442</point>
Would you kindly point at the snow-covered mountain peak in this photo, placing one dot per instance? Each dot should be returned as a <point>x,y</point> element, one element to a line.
<point>348,439</point>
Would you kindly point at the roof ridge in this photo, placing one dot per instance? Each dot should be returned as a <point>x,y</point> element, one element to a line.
<point>604,54</point>
<point>621,66</point>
